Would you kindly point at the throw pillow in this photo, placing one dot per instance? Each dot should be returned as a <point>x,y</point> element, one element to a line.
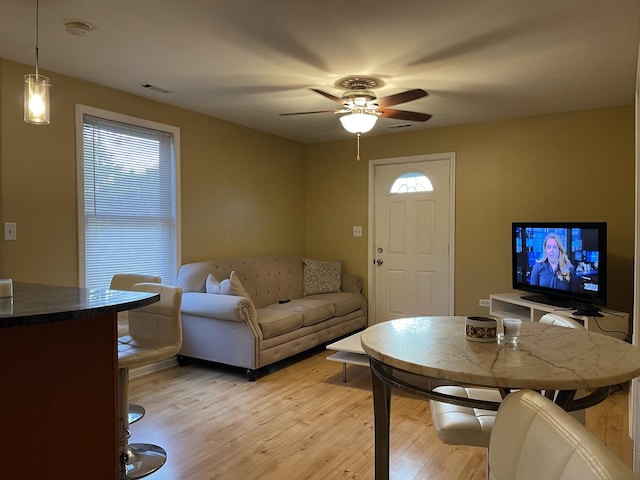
<point>213,285</point>
<point>230,286</point>
<point>234,286</point>
<point>321,276</point>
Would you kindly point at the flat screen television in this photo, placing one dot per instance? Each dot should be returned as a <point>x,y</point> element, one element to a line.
<point>561,263</point>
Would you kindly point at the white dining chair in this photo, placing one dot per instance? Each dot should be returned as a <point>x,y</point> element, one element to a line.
<point>533,438</point>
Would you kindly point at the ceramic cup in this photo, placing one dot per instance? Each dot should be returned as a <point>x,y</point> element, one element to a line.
<point>481,329</point>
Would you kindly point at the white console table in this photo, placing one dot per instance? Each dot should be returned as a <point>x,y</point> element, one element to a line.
<point>503,305</point>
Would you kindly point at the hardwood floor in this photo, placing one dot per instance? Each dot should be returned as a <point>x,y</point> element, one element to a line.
<point>301,421</point>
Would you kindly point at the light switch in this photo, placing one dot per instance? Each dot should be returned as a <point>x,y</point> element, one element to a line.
<point>357,231</point>
<point>9,231</point>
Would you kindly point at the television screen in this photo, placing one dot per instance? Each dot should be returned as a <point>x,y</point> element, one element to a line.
<point>563,264</point>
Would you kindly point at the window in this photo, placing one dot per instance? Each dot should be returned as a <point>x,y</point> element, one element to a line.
<point>127,197</point>
<point>411,182</point>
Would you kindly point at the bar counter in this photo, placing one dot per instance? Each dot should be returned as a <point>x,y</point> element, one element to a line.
<point>59,364</point>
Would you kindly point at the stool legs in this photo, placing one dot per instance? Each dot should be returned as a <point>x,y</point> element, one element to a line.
<point>137,460</point>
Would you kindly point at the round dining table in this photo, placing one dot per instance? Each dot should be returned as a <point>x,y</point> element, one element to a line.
<point>418,354</point>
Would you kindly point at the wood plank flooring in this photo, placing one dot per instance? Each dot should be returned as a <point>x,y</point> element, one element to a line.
<point>300,421</point>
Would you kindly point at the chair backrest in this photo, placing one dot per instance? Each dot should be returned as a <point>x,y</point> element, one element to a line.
<point>559,320</point>
<point>533,438</point>
<point>125,281</point>
<point>159,322</point>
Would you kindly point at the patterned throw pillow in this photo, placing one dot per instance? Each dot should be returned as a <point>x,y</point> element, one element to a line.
<point>321,276</point>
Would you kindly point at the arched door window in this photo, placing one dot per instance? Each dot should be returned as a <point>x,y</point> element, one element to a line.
<point>411,182</point>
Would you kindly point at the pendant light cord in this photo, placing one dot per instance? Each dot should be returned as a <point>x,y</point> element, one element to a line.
<point>37,30</point>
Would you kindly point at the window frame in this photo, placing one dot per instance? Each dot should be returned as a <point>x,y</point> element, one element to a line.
<point>80,112</point>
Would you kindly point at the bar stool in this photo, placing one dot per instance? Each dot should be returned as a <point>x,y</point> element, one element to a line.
<point>126,281</point>
<point>155,334</point>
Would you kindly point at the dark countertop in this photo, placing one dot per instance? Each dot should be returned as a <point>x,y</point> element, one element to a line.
<point>34,304</point>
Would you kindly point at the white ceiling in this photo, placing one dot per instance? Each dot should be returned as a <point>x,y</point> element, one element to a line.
<point>246,61</point>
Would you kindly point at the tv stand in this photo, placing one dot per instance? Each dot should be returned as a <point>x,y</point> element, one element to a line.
<point>586,312</point>
<point>578,309</point>
<point>513,305</point>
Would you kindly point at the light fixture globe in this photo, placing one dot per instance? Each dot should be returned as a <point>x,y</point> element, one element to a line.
<point>358,122</point>
<point>36,99</point>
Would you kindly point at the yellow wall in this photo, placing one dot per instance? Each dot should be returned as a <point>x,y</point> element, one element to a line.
<point>575,166</point>
<point>243,191</point>
<point>246,192</point>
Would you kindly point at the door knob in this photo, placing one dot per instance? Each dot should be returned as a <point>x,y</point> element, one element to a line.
<point>379,262</point>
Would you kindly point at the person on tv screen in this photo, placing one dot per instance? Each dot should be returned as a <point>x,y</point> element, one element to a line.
<point>554,269</point>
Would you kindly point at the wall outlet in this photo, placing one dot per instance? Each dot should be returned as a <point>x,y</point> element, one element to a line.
<point>357,231</point>
<point>484,302</point>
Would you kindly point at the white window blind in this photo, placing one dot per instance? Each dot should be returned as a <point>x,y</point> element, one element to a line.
<point>129,201</point>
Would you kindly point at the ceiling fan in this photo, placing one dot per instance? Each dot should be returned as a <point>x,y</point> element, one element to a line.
<point>361,107</point>
<point>359,99</point>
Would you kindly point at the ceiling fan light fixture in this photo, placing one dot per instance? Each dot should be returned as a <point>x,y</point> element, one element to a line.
<point>358,122</point>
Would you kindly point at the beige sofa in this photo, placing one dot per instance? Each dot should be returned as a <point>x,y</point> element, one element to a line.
<point>268,309</point>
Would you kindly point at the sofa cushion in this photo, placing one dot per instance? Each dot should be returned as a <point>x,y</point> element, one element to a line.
<point>321,276</point>
<point>344,302</point>
<point>275,320</point>
<point>313,310</point>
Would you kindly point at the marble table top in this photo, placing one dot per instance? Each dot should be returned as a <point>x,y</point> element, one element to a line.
<point>547,357</point>
<point>33,304</point>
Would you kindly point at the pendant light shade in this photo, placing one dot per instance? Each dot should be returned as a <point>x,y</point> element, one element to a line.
<point>358,122</point>
<point>36,99</point>
<point>36,90</point>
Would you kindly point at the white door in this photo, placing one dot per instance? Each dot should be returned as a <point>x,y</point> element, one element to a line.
<point>411,238</point>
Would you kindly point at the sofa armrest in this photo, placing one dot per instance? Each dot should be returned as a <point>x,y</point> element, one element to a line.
<point>351,283</point>
<point>220,307</point>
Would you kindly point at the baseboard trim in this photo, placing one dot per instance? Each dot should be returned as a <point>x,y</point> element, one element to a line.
<point>152,367</point>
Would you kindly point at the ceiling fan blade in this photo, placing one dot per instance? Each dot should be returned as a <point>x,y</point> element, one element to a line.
<point>306,113</point>
<point>401,97</point>
<point>329,96</point>
<point>404,115</point>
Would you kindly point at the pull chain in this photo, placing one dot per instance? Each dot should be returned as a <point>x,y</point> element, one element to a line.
<point>358,148</point>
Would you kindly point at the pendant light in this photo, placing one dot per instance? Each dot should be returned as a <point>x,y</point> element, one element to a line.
<point>36,91</point>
